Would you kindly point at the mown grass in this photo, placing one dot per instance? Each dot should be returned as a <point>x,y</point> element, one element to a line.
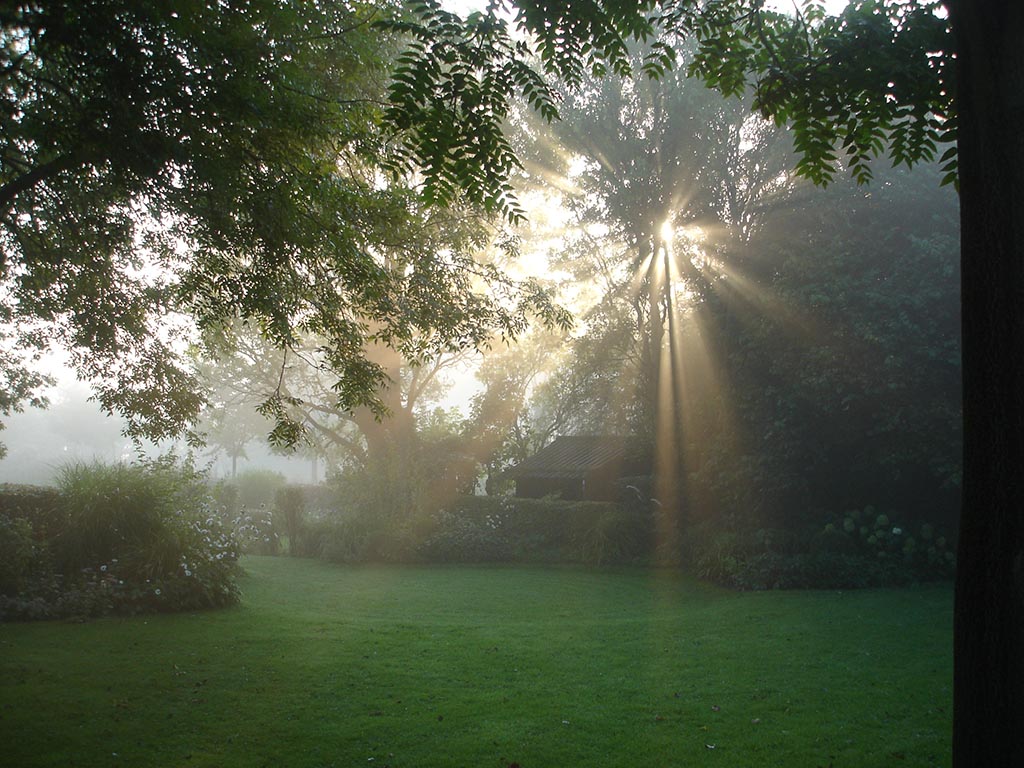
<point>419,667</point>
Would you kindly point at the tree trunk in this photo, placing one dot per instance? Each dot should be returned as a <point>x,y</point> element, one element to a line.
<point>988,728</point>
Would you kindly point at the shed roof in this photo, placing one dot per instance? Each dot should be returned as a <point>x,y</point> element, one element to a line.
<point>573,456</point>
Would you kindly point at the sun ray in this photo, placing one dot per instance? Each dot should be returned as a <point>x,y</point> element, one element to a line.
<point>691,391</point>
<point>745,296</point>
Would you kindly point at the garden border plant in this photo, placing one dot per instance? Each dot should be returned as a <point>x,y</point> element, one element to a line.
<point>115,538</point>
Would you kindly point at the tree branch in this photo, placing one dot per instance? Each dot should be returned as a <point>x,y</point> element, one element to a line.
<point>40,173</point>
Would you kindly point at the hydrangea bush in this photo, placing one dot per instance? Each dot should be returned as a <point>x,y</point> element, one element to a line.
<point>855,549</point>
<point>919,549</point>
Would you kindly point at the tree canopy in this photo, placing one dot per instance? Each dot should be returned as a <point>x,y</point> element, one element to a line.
<point>166,170</point>
<point>874,80</point>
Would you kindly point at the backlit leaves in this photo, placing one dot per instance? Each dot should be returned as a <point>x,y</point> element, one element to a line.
<point>453,86</point>
<point>875,80</point>
<point>450,96</point>
<point>223,161</point>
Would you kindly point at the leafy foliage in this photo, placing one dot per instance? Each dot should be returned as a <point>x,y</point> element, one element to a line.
<point>655,163</point>
<point>290,504</point>
<point>257,488</point>
<point>17,554</point>
<point>40,506</point>
<point>460,540</point>
<point>835,556</point>
<point>449,97</point>
<point>484,528</point>
<point>875,80</point>
<point>854,335</point>
<point>124,539</point>
<point>166,172</point>
<point>821,360</point>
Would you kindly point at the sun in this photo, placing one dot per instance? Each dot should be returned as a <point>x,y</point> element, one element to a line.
<point>667,232</point>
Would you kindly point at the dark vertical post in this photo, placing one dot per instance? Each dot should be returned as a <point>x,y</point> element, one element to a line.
<point>989,623</point>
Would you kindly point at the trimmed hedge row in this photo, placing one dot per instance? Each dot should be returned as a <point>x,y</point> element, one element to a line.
<point>480,529</point>
<point>591,532</point>
<point>322,521</point>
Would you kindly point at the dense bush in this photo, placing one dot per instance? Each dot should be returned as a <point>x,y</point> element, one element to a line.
<point>121,539</point>
<point>40,506</point>
<point>290,506</point>
<point>343,540</point>
<point>463,540</point>
<point>17,554</point>
<point>319,501</point>
<point>257,487</point>
<point>919,550</point>
<point>487,528</point>
<point>771,570</point>
<point>29,515</point>
<point>855,549</point>
<point>858,549</point>
<point>536,529</point>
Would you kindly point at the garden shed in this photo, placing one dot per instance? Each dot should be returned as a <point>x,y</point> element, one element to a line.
<point>576,468</point>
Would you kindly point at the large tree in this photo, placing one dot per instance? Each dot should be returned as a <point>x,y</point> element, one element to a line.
<point>655,162</point>
<point>168,167</point>
<point>249,373</point>
<point>886,77</point>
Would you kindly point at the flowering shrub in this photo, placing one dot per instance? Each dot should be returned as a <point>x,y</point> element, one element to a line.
<point>129,539</point>
<point>202,574</point>
<point>252,528</point>
<point>858,549</point>
<point>919,551</point>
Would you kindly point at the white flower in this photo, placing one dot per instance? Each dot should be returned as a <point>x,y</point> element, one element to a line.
<point>158,592</point>
<point>897,531</point>
<point>103,568</point>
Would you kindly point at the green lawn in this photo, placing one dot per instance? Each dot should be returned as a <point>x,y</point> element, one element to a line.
<point>544,667</point>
